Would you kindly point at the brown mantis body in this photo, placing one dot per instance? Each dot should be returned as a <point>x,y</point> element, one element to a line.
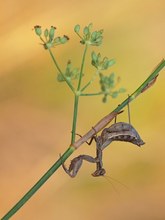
<point>120,131</point>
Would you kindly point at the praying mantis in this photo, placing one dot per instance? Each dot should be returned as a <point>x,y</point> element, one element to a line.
<point>120,131</point>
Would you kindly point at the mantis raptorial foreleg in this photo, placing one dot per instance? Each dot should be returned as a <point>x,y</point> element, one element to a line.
<point>76,163</point>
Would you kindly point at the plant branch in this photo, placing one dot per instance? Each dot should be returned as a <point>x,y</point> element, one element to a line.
<point>58,68</point>
<point>92,94</point>
<point>91,81</point>
<point>99,126</point>
<point>76,98</point>
<point>76,101</point>
<point>82,67</point>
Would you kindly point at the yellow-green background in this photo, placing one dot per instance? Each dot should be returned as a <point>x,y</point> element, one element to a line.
<point>36,111</point>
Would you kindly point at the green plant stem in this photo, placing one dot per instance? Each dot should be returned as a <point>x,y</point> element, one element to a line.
<point>71,149</point>
<point>76,101</point>
<point>79,35</point>
<point>58,68</point>
<point>90,82</point>
<point>76,98</point>
<point>42,39</point>
<point>82,67</point>
<point>92,94</point>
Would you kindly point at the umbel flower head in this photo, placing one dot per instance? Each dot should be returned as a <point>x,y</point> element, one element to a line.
<point>88,37</point>
<point>48,37</point>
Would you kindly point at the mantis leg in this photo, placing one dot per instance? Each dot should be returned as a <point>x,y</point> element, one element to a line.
<point>129,118</point>
<point>76,164</point>
<point>100,171</point>
<point>91,140</point>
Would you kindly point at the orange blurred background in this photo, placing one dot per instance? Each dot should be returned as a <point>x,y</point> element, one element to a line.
<point>36,111</point>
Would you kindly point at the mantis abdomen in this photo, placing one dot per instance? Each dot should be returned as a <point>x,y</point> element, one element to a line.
<point>120,131</point>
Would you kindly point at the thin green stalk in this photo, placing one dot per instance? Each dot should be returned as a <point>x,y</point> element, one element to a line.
<point>79,35</point>
<point>82,67</point>
<point>91,81</point>
<point>55,62</point>
<point>92,94</point>
<point>76,100</point>
<point>71,149</point>
<point>42,39</point>
<point>57,66</point>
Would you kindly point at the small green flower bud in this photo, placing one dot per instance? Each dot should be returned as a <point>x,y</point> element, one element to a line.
<point>114,94</point>
<point>60,77</point>
<point>90,26</point>
<point>86,31</point>
<point>46,33</point>
<point>38,30</point>
<point>57,40</point>
<point>99,57</point>
<point>77,28</point>
<point>121,90</point>
<point>111,62</point>
<point>64,39</point>
<point>94,56</point>
<point>51,33</point>
<point>104,99</point>
<point>94,35</point>
<point>82,41</point>
<point>112,76</point>
<point>105,65</point>
<point>47,45</point>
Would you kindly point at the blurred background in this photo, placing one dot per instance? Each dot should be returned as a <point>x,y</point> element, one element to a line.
<point>36,111</point>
